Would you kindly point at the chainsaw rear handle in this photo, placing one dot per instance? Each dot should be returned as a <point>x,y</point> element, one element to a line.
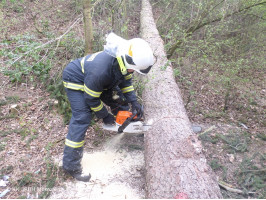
<point>126,123</point>
<point>139,113</point>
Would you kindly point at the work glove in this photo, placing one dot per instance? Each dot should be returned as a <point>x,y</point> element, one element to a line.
<point>109,119</point>
<point>137,108</point>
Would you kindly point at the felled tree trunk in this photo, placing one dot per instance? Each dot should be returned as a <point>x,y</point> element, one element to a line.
<point>175,164</point>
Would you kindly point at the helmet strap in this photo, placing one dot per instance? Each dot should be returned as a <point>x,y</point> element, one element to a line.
<point>122,66</point>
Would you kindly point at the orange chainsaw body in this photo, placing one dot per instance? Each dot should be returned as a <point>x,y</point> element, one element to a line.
<point>122,116</point>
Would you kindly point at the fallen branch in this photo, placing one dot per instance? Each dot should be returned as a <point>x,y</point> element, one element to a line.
<point>60,140</point>
<point>255,170</point>
<point>231,189</point>
<point>208,130</point>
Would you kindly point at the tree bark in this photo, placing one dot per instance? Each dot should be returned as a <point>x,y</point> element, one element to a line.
<point>175,164</point>
<point>88,33</point>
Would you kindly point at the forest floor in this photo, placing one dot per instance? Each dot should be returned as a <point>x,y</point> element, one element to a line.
<point>32,140</point>
<point>32,137</point>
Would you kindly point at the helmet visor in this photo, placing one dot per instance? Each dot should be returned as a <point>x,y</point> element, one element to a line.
<point>131,63</point>
<point>146,71</point>
<point>129,60</point>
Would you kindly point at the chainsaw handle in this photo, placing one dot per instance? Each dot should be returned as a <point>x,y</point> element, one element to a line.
<point>140,113</point>
<point>126,123</point>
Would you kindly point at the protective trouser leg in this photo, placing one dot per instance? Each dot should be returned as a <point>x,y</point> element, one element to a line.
<point>115,105</point>
<point>80,120</point>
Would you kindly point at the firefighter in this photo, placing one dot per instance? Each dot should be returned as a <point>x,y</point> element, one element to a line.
<point>90,83</point>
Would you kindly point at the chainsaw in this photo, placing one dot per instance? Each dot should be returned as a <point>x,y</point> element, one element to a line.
<point>127,122</point>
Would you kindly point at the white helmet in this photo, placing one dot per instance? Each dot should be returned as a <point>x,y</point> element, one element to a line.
<point>138,56</point>
<point>136,53</point>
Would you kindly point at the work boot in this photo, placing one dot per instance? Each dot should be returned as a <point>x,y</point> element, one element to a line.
<point>79,176</point>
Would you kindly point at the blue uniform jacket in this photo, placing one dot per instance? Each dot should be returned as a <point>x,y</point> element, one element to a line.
<point>95,73</point>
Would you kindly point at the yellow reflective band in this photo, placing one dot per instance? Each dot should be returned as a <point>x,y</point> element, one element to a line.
<point>91,58</point>
<point>73,86</point>
<point>74,144</point>
<point>82,64</point>
<point>91,92</point>
<point>98,108</point>
<point>127,89</point>
<point>128,77</point>
<point>122,66</point>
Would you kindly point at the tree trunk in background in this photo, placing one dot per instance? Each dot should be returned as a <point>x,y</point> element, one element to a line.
<point>87,26</point>
<point>175,164</point>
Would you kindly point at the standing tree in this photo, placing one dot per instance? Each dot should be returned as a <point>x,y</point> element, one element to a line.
<point>88,33</point>
<point>175,164</point>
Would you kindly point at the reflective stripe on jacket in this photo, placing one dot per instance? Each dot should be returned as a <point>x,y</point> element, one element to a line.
<point>94,73</point>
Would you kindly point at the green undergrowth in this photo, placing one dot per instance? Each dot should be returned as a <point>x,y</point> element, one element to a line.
<point>57,91</point>
<point>232,142</point>
<point>28,61</point>
<point>9,100</point>
<point>36,58</point>
<point>220,67</point>
<point>249,173</point>
<point>250,177</point>
<point>38,184</point>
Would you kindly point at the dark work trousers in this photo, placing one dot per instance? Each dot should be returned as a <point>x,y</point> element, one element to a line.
<point>80,120</point>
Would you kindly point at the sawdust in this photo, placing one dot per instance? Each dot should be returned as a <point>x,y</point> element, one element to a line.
<point>112,144</point>
<point>116,174</point>
<point>100,164</point>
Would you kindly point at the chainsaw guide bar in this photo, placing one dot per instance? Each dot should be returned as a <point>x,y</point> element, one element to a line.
<point>126,122</point>
<point>133,127</point>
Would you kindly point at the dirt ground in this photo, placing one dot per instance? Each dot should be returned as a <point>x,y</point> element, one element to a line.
<point>116,162</point>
